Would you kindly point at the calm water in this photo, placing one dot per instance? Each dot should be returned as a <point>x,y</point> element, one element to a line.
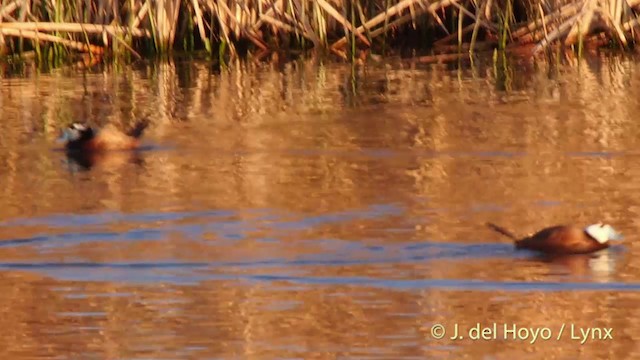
<point>297,211</point>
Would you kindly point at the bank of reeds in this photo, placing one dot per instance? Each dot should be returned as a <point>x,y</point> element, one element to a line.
<point>53,29</point>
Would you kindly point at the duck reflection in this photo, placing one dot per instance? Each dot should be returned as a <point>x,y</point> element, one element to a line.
<point>600,266</point>
<point>83,161</point>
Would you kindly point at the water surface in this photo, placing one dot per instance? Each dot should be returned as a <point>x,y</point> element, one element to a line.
<point>301,211</point>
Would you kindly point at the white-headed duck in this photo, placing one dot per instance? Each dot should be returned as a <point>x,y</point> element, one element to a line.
<point>565,239</point>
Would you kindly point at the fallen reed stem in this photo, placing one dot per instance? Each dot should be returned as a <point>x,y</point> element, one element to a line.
<point>37,36</point>
<point>68,27</point>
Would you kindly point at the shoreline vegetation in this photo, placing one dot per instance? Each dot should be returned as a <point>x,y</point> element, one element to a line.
<point>56,31</point>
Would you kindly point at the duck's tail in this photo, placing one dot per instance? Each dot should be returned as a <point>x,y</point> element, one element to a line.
<point>138,128</point>
<point>502,231</point>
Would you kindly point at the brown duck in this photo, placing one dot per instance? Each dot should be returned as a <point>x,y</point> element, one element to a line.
<point>565,239</point>
<point>83,138</point>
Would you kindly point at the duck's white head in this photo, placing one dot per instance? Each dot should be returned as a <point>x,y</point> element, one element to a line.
<point>602,233</point>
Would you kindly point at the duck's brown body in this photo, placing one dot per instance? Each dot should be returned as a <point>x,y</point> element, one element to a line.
<point>561,239</point>
<point>108,139</point>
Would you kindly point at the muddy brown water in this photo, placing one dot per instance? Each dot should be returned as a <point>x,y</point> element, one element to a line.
<point>305,211</point>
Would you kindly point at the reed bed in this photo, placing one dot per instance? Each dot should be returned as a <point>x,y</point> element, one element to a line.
<point>55,29</point>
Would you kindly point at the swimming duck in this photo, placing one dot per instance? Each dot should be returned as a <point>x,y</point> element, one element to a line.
<point>83,138</point>
<point>565,239</point>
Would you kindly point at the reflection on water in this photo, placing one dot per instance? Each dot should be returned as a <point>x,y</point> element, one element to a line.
<point>283,211</point>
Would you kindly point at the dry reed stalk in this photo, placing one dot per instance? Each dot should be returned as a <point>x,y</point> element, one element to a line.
<point>100,13</point>
<point>627,26</point>
<point>487,10</point>
<point>396,9</point>
<point>166,19</point>
<point>173,20</point>
<point>575,21</point>
<point>476,25</point>
<point>413,16</point>
<point>544,25</point>
<point>124,43</point>
<point>397,22</point>
<point>142,13</point>
<point>37,36</point>
<point>460,23</point>
<point>5,10</point>
<point>438,20</point>
<point>341,53</point>
<point>216,9</point>
<point>336,15</point>
<point>286,16</point>
<point>200,23</point>
<point>255,39</point>
<point>480,22</point>
<point>280,24</point>
<point>557,33</point>
<point>616,27</point>
<point>74,27</point>
<point>582,26</point>
<point>363,18</point>
<point>306,26</point>
<point>269,12</point>
<point>565,11</point>
<point>461,31</point>
<point>8,9</point>
<point>321,23</point>
<point>237,21</point>
<point>314,20</point>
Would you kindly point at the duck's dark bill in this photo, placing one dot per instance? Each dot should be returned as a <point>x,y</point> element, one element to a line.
<point>64,137</point>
